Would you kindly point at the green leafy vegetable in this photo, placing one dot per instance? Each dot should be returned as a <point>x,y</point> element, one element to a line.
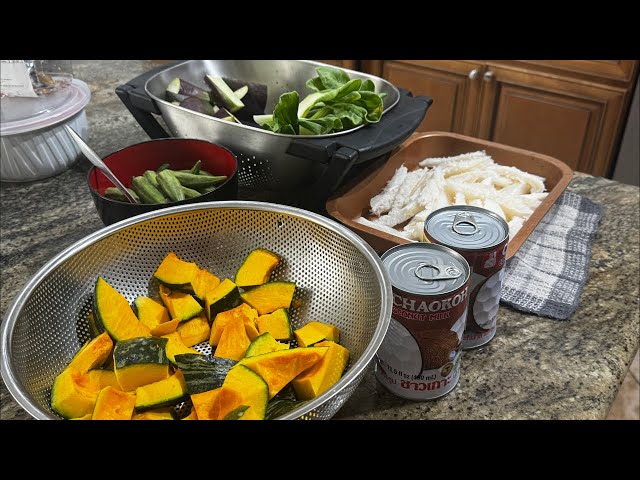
<point>338,103</point>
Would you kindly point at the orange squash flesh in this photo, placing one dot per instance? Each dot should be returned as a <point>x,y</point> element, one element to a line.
<point>93,354</point>
<point>234,340</point>
<point>242,386</point>
<point>203,403</point>
<point>176,273</point>
<point>103,378</point>
<point>277,324</point>
<point>257,268</point>
<point>195,330</point>
<point>150,312</point>
<point>324,374</point>
<point>203,283</point>
<point>243,311</point>
<point>166,328</point>
<point>314,332</point>
<point>280,367</point>
<point>270,296</point>
<point>113,404</point>
<point>157,414</point>
<point>176,346</point>
<point>181,305</point>
<point>113,312</point>
<point>73,394</point>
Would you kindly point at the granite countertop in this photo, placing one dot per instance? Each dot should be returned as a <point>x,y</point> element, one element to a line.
<point>535,368</point>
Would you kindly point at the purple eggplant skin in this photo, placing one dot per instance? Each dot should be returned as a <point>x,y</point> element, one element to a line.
<point>255,101</point>
<point>191,90</point>
<point>197,105</point>
<point>175,97</point>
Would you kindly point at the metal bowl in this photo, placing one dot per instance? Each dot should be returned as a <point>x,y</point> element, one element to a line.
<point>339,280</point>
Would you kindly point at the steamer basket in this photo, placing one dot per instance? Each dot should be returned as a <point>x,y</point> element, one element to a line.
<point>339,280</point>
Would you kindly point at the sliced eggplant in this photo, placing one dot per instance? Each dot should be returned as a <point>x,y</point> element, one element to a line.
<point>182,87</point>
<point>175,97</point>
<point>255,100</point>
<point>241,92</point>
<point>225,114</point>
<point>198,105</point>
<point>222,95</point>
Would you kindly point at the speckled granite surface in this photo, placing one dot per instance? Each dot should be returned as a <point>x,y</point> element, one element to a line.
<point>535,368</point>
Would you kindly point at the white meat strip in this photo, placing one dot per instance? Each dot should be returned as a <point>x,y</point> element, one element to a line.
<point>383,201</point>
<point>434,161</point>
<point>535,182</point>
<point>382,228</point>
<point>515,224</point>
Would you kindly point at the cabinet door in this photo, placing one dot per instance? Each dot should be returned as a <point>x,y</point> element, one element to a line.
<point>574,121</point>
<point>455,95</point>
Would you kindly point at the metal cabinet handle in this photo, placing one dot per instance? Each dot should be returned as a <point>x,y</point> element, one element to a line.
<point>473,74</point>
<point>489,76</point>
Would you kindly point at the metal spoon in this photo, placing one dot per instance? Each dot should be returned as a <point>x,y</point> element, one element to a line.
<point>100,165</point>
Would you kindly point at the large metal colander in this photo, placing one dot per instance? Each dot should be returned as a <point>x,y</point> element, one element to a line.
<point>339,279</point>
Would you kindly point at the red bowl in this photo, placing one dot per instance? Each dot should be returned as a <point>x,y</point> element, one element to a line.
<point>179,153</point>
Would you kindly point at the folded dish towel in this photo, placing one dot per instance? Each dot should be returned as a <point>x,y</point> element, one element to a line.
<point>548,272</point>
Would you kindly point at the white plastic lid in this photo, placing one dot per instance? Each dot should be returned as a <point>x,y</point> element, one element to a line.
<point>21,115</point>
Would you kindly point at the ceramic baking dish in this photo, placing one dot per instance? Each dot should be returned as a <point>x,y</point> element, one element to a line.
<point>352,200</point>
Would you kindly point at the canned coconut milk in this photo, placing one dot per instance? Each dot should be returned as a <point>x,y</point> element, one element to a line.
<point>419,357</point>
<point>481,237</point>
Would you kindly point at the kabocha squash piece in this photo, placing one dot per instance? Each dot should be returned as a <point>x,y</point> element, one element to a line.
<point>175,273</point>
<point>243,311</point>
<point>203,403</point>
<point>279,406</point>
<point>280,367</point>
<point>237,413</point>
<point>166,328</point>
<point>85,417</point>
<point>264,343</point>
<point>203,372</point>
<point>92,354</point>
<point>73,394</point>
<point>193,415</point>
<point>157,414</point>
<point>113,404</point>
<point>277,324</point>
<point>140,361</point>
<point>114,314</point>
<point>242,387</point>
<point>176,346</point>
<point>324,374</point>
<point>195,330</point>
<point>256,268</point>
<point>203,283</point>
<point>314,332</point>
<point>233,340</point>
<point>182,306</point>
<point>224,297</point>
<point>150,312</point>
<point>269,297</point>
<point>93,328</point>
<point>165,393</point>
<point>103,378</point>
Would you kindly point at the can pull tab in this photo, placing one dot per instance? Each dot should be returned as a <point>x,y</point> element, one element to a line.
<point>464,224</point>
<point>428,272</point>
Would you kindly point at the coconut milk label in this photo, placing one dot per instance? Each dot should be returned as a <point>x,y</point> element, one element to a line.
<point>420,356</point>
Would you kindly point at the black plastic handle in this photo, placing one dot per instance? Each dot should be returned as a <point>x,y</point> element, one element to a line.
<point>141,105</point>
<point>375,139</point>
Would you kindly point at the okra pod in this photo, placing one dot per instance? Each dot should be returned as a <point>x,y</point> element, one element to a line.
<point>146,191</point>
<point>198,181</point>
<point>190,192</point>
<point>152,176</point>
<point>115,194</point>
<point>170,185</point>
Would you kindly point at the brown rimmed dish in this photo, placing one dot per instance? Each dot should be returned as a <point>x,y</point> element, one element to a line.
<point>352,200</point>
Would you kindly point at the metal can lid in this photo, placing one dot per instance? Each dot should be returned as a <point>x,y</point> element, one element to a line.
<point>425,268</point>
<point>465,227</point>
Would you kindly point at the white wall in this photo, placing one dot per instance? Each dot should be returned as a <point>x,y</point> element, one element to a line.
<point>627,169</point>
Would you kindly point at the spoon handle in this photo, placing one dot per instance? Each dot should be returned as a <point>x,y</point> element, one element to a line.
<point>99,164</point>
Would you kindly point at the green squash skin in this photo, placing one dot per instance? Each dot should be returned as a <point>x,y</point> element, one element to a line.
<point>203,373</point>
<point>165,402</point>
<point>230,300</point>
<point>140,350</point>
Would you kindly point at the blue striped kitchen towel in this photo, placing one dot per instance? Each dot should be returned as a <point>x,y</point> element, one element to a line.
<point>548,272</point>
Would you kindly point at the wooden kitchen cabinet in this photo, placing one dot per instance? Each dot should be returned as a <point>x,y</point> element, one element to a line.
<point>571,110</point>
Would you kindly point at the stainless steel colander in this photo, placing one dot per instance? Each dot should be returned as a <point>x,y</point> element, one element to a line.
<point>339,279</point>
